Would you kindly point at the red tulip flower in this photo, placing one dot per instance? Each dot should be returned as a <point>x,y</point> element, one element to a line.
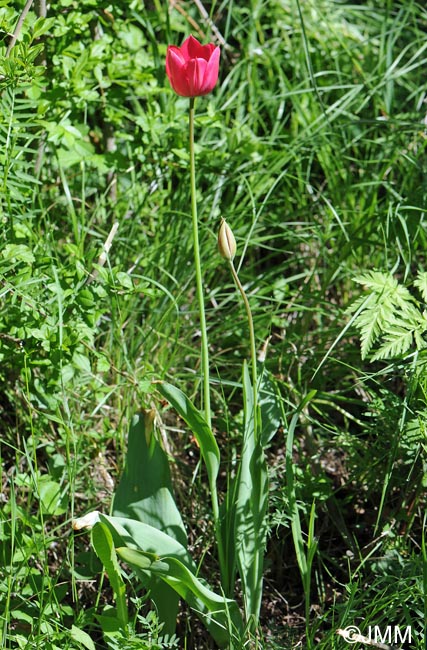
<point>192,68</point>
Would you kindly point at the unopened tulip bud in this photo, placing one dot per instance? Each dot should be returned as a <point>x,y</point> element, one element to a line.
<point>226,241</point>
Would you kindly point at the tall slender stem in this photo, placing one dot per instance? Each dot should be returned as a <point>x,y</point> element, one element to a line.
<point>254,467</point>
<point>205,349</point>
<point>252,343</point>
<point>199,283</point>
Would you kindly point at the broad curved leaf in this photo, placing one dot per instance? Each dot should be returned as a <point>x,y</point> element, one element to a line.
<point>220,615</point>
<point>198,425</point>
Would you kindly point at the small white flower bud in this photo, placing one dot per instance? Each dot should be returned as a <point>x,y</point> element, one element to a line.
<point>226,241</point>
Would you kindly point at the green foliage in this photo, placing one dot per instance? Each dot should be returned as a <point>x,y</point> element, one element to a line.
<point>249,504</point>
<point>152,636</point>
<point>220,616</point>
<point>103,543</point>
<point>389,317</point>
<point>313,148</point>
<point>153,524</point>
<point>145,494</point>
<point>145,498</point>
<point>145,489</point>
<point>198,426</point>
<point>152,551</point>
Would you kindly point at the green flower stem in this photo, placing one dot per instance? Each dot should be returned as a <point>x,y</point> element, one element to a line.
<point>199,283</point>
<point>253,582</point>
<point>252,344</point>
<point>205,349</point>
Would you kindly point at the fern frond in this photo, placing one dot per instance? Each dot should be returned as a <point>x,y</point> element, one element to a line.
<point>421,283</point>
<point>403,298</point>
<point>420,342</point>
<point>397,342</point>
<point>19,133</point>
<point>378,281</point>
<point>360,302</point>
<point>369,322</point>
<point>389,317</point>
<point>415,431</point>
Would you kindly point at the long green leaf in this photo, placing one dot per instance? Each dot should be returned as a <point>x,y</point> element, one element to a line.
<point>102,541</point>
<point>291,491</point>
<point>137,535</point>
<point>269,403</point>
<point>145,494</point>
<point>154,544</point>
<point>292,500</point>
<point>220,615</point>
<point>198,426</point>
<point>210,454</point>
<point>145,489</point>
<point>251,507</point>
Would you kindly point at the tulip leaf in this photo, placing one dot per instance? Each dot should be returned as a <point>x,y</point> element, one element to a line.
<point>145,489</point>
<point>270,406</point>
<point>198,426</point>
<point>220,615</point>
<point>144,494</point>
<point>251,506</point>
<point>137,535</point>
<point>233,521</point>
<point>155,554</point>
<point>102,541</point>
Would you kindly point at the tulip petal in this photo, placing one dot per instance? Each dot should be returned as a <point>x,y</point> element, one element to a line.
<point>192,49</point>
<point>189,48</point>
<point>211,72</point>
<point>175,69</point>
<point>195,70</point>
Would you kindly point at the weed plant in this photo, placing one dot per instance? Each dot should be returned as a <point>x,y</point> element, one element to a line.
<point>313,149</point>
